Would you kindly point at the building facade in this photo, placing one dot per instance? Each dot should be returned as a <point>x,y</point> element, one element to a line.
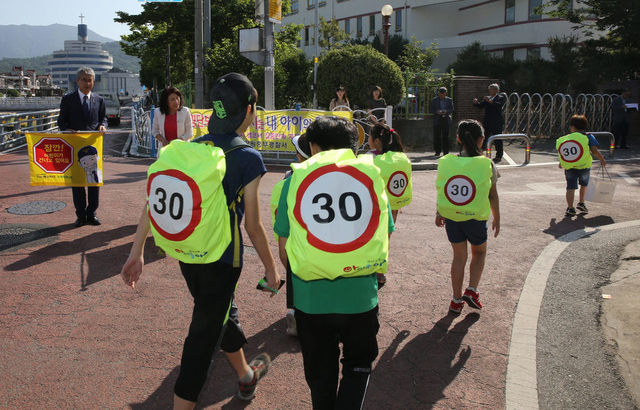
<point>504,27</point>
<point>81,52</point>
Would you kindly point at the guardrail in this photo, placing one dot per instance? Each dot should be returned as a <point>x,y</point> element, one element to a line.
<point>140,142</point>
<point>13,127</point>
<point>612,139</point>
<point>527,151</point>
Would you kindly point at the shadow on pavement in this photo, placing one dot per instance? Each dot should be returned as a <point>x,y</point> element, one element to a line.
<point>221,385</point>
<point>36,192</point>
<point>424,367</point>
<point>567,225</point>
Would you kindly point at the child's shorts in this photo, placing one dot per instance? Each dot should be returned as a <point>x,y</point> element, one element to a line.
<point>574,176</point>
<point>472,230</point>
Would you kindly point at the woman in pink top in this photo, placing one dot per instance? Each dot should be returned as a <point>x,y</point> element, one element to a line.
<point>171,120</point>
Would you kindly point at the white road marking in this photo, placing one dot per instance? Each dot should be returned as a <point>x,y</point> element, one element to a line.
<point>508,158</point>
<point>628,178</point>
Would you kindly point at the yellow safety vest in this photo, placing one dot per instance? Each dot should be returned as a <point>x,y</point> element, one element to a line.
<point>275,199</point>
<point>573,151</point>
<point>395,169</point>
<point>186,202</point>
<point>338,216</point>
<point>463,185</point>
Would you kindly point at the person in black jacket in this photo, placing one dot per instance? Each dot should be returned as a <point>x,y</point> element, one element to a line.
<point>441,107</point>
<point>493,122</point>
<point>83,110</point>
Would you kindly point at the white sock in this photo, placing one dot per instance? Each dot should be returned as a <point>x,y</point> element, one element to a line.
<point>456,300</point>
<point>247,377</point>
<point>472,288</point>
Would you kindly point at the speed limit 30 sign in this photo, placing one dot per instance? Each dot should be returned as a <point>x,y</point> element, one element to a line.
<point>460,190</point>
<point>174,204</point>
<point>570,151</point>
<point>397,184</point>
<point>338,207</point>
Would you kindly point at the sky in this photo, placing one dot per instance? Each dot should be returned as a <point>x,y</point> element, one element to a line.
<point>99,14</point>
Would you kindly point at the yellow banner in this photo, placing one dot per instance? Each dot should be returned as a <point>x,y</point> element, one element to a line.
<point>271,130</point>
<point>65,159</point>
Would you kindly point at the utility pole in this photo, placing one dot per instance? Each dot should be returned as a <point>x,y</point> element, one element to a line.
<point>199,57</point>
<point>269,61</point>
<point>315,57</point>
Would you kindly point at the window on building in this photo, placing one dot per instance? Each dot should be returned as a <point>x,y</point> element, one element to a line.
<point>399,20</point>
<point>533,53</point>
<point>534,9</point>
<point>359,27</point>
<point>306,36</point>
<point>347,26</point>
<point>509,11</point>
<point>372,25</point>
<point>294,7</point>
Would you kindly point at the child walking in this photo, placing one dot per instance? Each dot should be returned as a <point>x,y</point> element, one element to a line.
<point>395,170</point>
<point>574,152</point>
<point>467,195</point>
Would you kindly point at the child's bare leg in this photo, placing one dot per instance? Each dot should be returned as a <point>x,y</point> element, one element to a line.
<point>570,196</point>
<point>583,192</point>
<point>238,362</point>
<point>182,404</point>
<point>476,266</point>
<point>457,267</point>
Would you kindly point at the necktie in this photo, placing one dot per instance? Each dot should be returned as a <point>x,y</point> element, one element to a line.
<point>85,107</point>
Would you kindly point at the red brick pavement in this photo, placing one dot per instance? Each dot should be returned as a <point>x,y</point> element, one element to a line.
<point>72,335</point>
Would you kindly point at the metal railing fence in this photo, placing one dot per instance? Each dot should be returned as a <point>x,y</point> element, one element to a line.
<point>546,115</point>
<point>13,127</point>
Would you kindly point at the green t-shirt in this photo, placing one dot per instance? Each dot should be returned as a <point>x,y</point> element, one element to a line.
<point>343,295</point>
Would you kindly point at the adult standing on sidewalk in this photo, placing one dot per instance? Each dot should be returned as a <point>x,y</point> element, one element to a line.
<point>83,110</point>
<point>441,107</point>
<point>620,119</point>
<point>171,120</point>
<point>493,122</point>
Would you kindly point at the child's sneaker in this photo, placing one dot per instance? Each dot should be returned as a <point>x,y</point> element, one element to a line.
<point>570,212</point>
<point>292,329</point>
<point>472,298</point>
<point>260,366</point>
<point>582,208</point>
<point>456,307</point>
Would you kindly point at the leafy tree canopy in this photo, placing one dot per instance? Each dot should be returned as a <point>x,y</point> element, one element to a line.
<point>358,68</point>
<point>331,35</point>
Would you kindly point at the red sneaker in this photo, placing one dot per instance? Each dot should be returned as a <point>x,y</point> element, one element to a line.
<point>472,298</point>
<point>455,307</point>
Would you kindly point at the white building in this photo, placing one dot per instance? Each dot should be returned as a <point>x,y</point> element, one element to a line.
<point>81,52</point>
<point>510,27</point>
<point>120,82</point>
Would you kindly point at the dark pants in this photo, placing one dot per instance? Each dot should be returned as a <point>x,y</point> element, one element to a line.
<point>320,336</point>
<point>441,137</point>
<point>212,286</point>
<point>497,143</point>
<point>620,131</point>
<point>80,201</point>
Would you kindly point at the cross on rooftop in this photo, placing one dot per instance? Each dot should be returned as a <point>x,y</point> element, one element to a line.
<point>81,17</point>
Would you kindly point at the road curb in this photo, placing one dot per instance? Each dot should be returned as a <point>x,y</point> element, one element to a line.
<point>521,381</point>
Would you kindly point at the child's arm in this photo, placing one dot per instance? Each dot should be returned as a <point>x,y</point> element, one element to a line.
<point>282,250</point>
<point>594,150</point>
<point>132,268</point>
<point>257,234</point>
<point>494,202</point>
<point>439,220</point>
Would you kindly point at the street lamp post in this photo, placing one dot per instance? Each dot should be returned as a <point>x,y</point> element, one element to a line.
<point>386,16</point>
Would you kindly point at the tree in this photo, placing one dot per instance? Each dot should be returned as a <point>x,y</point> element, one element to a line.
<point>162,24</point>
<point>614,28</point>
<point>358,68</point>
<point>331,35</point>
<point>415,59</point>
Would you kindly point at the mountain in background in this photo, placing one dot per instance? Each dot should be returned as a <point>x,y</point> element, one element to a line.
<point>32,46</point>
<point>23,41</point>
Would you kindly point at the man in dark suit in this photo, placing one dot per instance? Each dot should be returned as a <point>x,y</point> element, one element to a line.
<point>83,110</point>
<point>619,118</point>
<point>493,121</point>
<point>441,107</point>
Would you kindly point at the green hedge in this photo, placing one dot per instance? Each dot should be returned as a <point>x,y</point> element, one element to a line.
<point>358,68</point>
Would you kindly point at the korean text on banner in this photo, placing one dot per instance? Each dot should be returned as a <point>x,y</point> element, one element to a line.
<point>271,130</point>
<point>65,159</point>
